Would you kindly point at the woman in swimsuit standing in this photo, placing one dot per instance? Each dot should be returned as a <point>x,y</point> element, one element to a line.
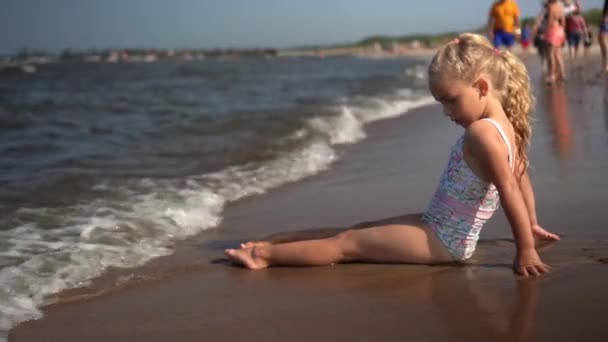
<point>555,37</point>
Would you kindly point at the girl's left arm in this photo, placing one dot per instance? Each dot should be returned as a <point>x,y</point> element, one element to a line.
<point>489,151</point>
<point>526,189</point>
<point>528,194</point>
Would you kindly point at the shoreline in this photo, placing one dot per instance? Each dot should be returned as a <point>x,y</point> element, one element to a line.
<point>31,65</point>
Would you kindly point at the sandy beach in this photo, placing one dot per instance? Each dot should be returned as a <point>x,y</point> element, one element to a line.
<point>196,295</point>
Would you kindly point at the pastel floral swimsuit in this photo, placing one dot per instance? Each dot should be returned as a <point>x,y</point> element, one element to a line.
<point>462,203</point>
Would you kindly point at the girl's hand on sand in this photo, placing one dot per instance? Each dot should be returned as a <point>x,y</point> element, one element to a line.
<point>528,263</point>
<point>542,234</point>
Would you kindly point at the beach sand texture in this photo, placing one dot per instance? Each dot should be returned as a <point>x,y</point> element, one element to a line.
<point>196,295</point>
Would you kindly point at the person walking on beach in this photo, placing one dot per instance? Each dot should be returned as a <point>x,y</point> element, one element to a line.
<point>538,32</point>
<point>576,31</point>
<point>555,37</point>
<point>487,92</point>
<point>503,23</point>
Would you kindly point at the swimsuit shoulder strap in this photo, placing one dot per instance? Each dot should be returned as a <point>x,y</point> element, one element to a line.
<point>504,137</point>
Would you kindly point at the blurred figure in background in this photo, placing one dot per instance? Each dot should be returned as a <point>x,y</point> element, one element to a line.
<point>555,37</point>
<point>525,37</point>
<point>587,43</point>
<point>503,23</point>
<point>570,7</point>
<point>576,31</point>
<point>538,34</point>
<point>602,37</point>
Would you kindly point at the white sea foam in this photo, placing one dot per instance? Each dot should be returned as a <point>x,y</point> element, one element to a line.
<point>344,128</point>
<point>381,109</point>
<point>347,125</point>
<point>138,220</point>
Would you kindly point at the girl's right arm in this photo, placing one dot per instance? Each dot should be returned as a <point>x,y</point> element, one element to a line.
<point>489,151</point>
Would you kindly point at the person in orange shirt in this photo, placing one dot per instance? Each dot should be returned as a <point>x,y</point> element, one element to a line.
<point>503,23</point>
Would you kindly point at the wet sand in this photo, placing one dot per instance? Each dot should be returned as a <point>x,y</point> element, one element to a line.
<point>196,295</point>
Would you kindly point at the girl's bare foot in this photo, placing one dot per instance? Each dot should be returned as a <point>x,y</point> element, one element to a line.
<point>246,257</point>
<point>550,79</point>
<point>250,244</point>
<point>542,234</point>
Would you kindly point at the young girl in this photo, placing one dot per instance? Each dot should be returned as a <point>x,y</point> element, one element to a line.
<point>487,92</point>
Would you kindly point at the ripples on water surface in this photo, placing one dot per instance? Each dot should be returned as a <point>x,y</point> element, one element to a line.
<point>105,164</point>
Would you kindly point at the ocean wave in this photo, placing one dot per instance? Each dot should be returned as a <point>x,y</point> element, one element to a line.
<point>132,221</point>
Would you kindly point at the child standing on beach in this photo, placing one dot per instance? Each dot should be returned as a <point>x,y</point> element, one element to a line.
<point>525,37</point>
<point>487,92</point>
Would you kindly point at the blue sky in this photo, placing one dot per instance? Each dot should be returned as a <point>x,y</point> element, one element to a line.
<point>56,24</point>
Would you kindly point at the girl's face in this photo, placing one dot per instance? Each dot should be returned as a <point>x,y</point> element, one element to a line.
<point>462,102</point>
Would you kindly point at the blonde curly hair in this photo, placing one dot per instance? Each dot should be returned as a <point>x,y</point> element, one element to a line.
<point>470,55</point>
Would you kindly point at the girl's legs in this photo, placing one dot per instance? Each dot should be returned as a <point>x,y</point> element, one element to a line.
<point>297,235</point>
<point>323,233</point>
<point>395,243</point>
